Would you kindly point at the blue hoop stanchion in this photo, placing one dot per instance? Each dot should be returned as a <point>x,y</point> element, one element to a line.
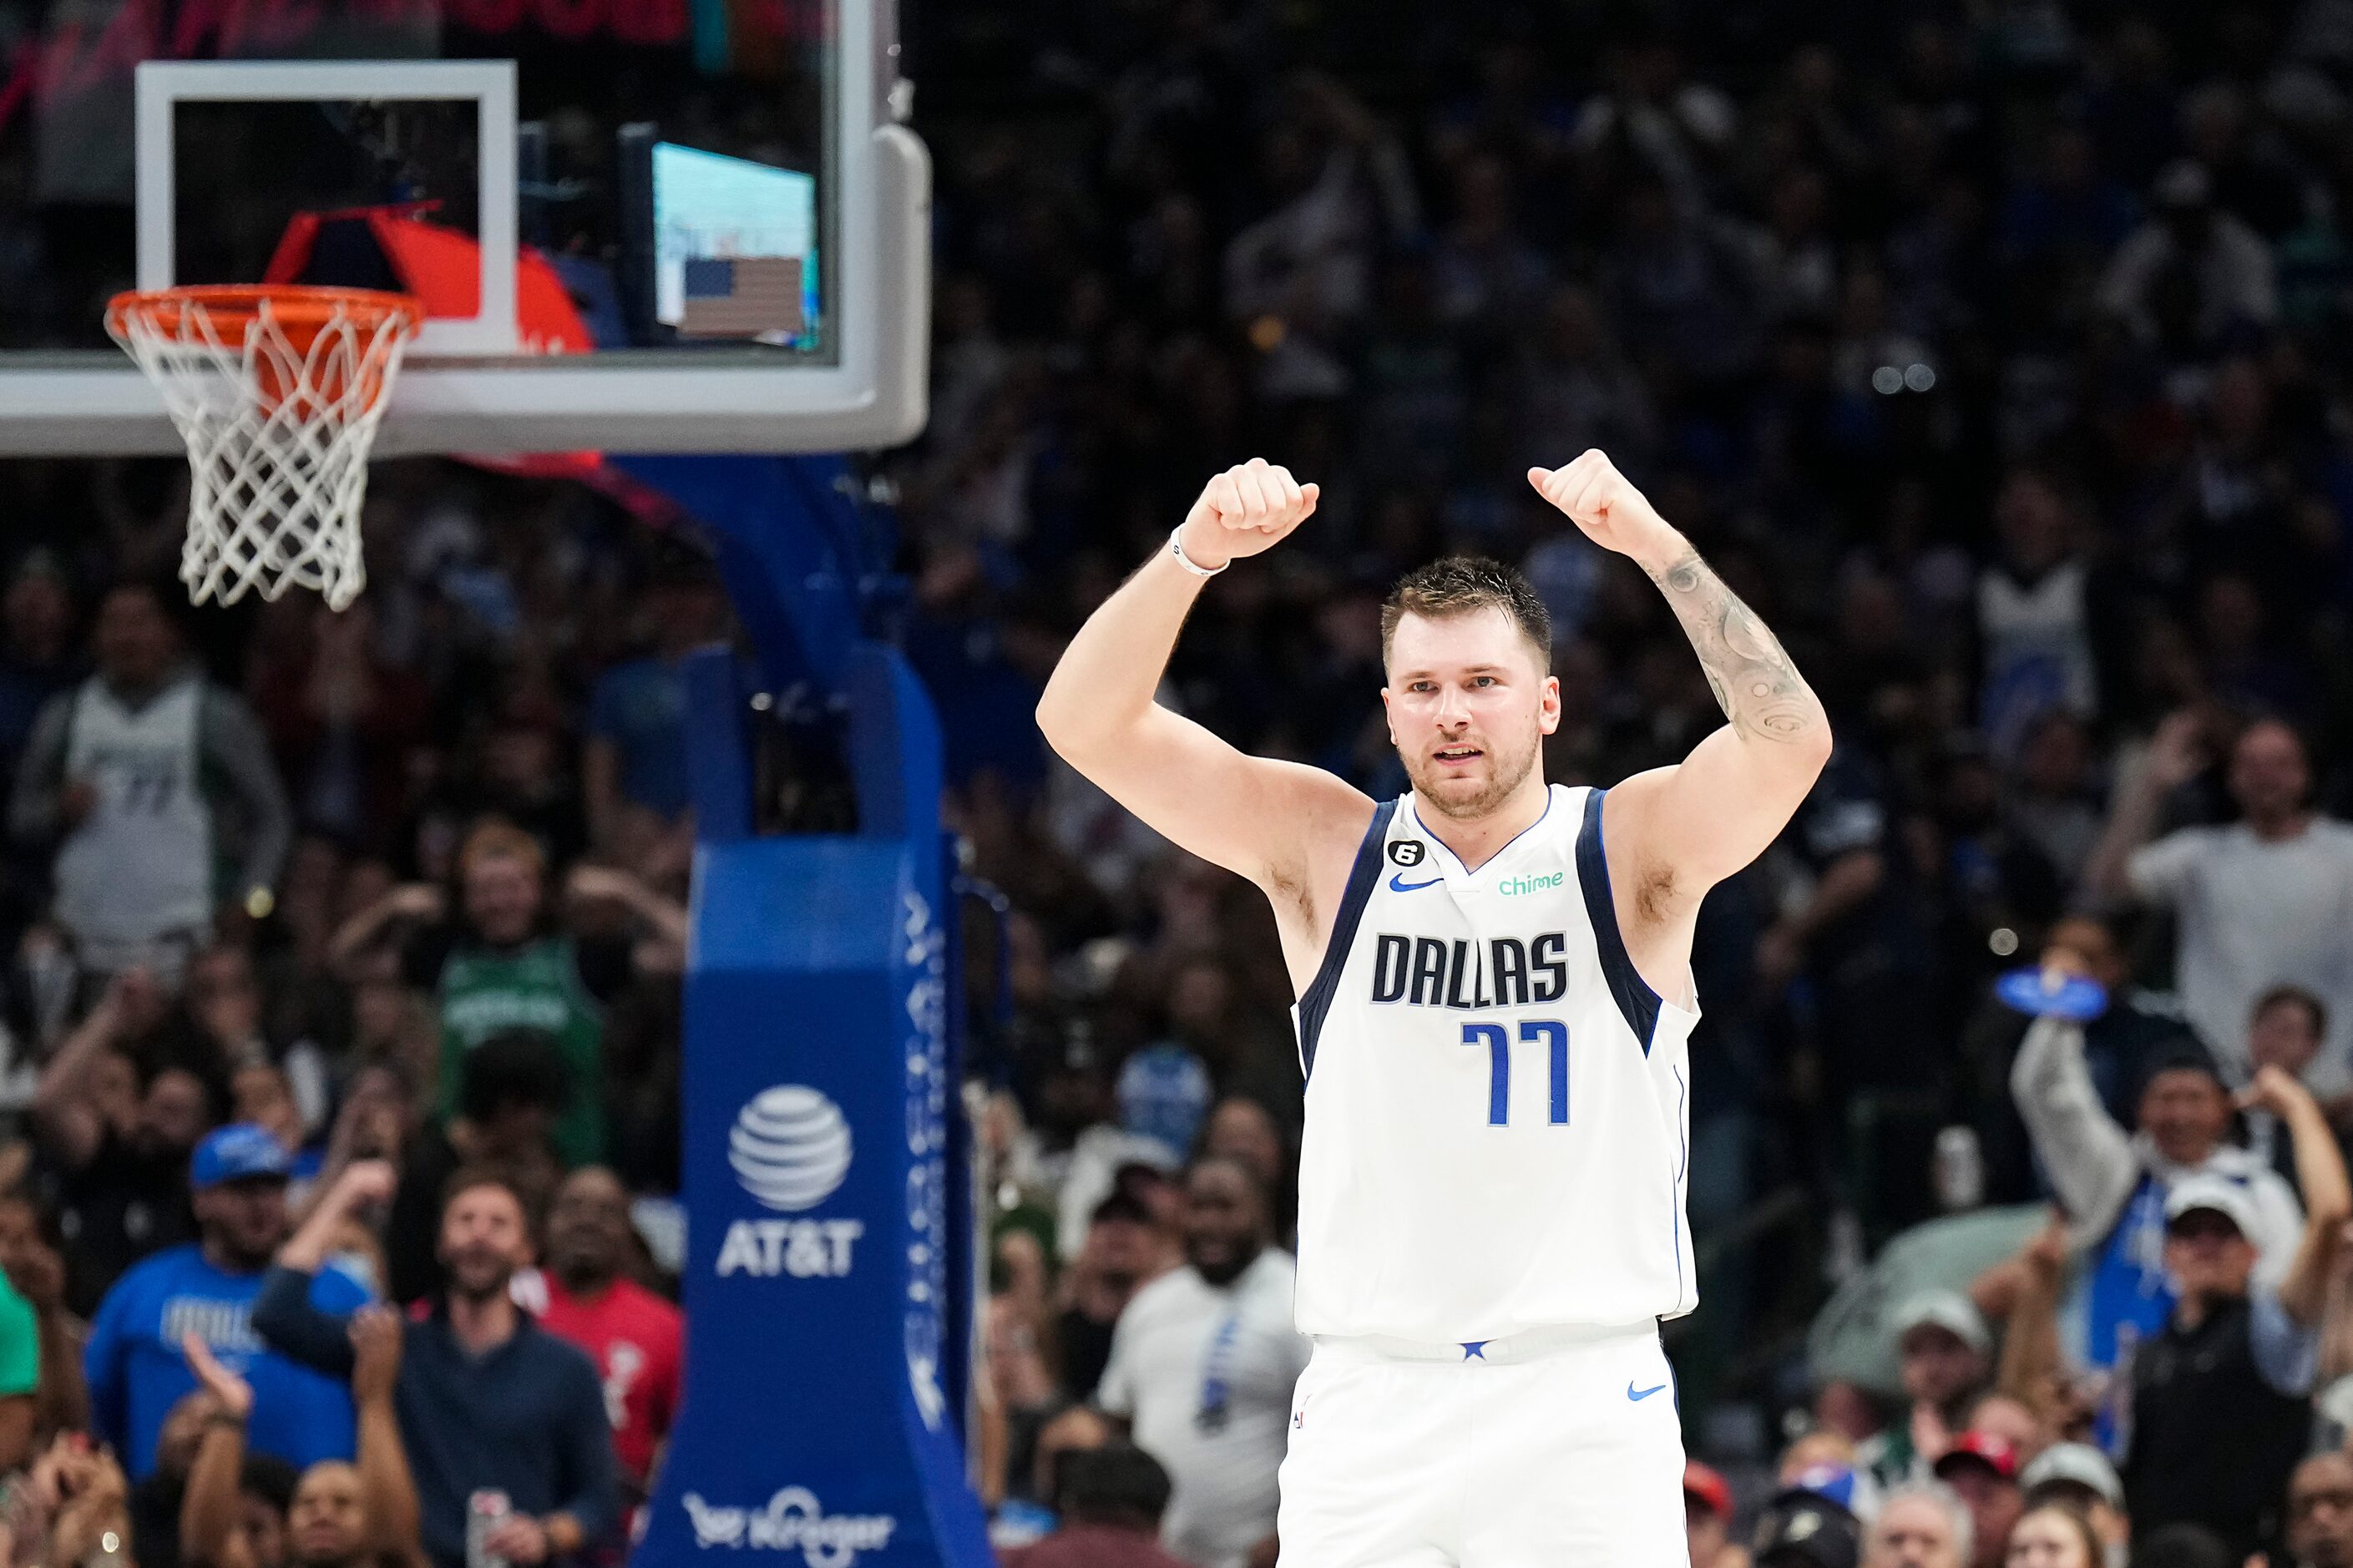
<point>827,1289</point>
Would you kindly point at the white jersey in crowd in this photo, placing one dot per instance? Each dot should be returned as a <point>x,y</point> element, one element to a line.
<point>1498,1107</point>
<point>1204,1374</point>
<point>139,865</point>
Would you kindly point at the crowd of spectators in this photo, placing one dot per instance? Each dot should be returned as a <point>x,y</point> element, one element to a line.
<point>1993,353</point>
<point>339,1032</point>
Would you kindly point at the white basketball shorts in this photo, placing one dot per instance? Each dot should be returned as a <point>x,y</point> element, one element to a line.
<point>1557,1448</point>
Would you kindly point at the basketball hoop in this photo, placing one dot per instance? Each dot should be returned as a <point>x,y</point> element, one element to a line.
<point>277,390</point>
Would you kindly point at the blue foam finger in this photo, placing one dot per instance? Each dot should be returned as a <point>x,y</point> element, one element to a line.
<point>2071,996</point>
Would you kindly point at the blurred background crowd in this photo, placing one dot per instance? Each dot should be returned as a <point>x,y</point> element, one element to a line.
<point>1995,353</point>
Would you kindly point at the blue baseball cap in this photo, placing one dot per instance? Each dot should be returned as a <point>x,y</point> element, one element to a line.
<point>242,1152</point>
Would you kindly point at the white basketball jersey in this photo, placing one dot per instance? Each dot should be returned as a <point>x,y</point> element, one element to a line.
<point>139,865</point>
<point>1498,1107</point>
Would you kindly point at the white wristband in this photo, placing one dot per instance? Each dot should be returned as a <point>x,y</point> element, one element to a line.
<point>1177,548</point>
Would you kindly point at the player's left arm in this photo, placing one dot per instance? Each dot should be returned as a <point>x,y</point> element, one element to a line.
<point>1674,832</point>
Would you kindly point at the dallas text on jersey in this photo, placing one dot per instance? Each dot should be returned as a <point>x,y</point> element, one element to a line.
<point>1423,971</point>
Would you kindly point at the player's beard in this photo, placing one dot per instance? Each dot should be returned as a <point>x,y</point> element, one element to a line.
<point>1507,770</point>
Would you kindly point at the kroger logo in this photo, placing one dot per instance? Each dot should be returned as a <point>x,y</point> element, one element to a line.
<point>792,1520</point>
<point>790,1147</point>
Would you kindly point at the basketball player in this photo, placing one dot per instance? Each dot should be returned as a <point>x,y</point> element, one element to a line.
<point>1494,992</point>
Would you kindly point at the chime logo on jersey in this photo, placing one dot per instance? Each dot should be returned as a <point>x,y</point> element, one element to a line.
<point>1503,972</point>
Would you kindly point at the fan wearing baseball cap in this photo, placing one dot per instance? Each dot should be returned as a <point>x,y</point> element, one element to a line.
<point>1805,1529</point>
<point>2112,1181</point>
<point>2080,1476</point>
<point>1982,1469</point>
<point>2238,1354</point>
<point>1707,1519</point>
<point>134,1361</point>
<point>1945,1356</point>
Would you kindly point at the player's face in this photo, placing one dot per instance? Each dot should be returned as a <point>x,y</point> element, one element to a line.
<point>1469,707</point>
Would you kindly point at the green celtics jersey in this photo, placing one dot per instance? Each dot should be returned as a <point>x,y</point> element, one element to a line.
<point>485,991</point>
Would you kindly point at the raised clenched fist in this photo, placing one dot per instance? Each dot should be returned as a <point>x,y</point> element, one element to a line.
<point>1250,508</point>
<point>366,1183</point>
<point>1602,502</point>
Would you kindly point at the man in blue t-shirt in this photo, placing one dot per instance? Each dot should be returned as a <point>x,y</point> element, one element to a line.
<point>135,1363</point>
<point>636,750</point>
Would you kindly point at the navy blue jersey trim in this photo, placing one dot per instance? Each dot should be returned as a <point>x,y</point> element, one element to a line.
<point>1362,877</point>
<point>1636,1002</point>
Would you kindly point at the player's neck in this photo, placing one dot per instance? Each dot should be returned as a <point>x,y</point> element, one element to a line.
<point>1475,840</point>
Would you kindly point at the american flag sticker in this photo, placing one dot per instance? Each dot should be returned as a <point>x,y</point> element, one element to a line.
<point>741,296</point>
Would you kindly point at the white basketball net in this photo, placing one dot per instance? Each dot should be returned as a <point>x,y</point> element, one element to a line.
<point>278,441</point>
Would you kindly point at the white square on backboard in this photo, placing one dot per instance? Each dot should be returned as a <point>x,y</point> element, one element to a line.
<point>490,84</point>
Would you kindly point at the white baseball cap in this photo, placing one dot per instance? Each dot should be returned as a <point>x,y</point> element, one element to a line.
<point>1949,1310</point>
<point>2206,1190</point>
<point>2079,1463</point>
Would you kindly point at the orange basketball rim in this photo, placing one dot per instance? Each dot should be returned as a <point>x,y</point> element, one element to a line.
<point>277,390</point>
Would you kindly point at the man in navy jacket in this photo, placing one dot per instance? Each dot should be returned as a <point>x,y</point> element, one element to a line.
<point>486,1399</point>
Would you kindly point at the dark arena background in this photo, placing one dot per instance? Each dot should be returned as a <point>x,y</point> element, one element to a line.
<point>647,922</point>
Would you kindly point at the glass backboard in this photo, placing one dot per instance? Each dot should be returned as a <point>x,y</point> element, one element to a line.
<point>637,224</point>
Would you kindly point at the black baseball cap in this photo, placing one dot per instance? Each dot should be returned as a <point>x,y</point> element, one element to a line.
<point>1806,1530</point>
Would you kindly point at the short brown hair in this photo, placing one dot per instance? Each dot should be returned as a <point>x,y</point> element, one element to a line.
<point>496,839</point>
<point>480,1173</point>
<point>1461,584</point>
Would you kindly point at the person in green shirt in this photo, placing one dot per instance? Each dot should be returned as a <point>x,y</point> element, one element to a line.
<point>20,1376</point>
<point>509,962</point>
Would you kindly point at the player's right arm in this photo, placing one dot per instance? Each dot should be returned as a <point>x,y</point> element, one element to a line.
<point>1273,822</point>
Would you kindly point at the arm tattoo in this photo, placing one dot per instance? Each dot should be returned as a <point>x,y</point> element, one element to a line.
<point>1758,688</point>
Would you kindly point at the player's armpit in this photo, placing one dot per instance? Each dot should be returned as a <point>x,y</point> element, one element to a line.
<point>1279,824</point>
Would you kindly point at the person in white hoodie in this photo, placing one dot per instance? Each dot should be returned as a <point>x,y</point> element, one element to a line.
<point>2112,1183</point>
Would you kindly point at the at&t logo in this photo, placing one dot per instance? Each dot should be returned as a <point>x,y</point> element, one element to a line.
<point>790,1148</point>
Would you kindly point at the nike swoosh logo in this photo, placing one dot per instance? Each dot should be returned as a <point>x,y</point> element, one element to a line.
<point>1398,884</point>
<point>1644,1394</point>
